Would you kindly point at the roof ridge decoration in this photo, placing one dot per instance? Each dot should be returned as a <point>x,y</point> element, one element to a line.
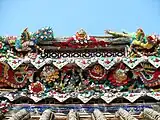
<point>27,41</point>
<point>140,44</point>
<point>45,33</point>
<point>22,56</point>
<point>82,40</point>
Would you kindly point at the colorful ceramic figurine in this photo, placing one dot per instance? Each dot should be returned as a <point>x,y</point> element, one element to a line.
<point>26,42</point>
<point>140,44</point>
<point>22,43</point>
<point>146,42</point>
<point>143,45</point>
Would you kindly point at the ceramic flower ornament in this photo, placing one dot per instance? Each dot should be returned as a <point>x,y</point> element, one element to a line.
<point>36,88</point>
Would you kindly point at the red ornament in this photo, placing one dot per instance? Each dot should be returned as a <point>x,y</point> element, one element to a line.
<point>131,61</point>
<point>86,82</point>
<point>156,60</point>
<point>38,62</point>
<point>84,62</point>
<point>81,40</point>
<point>107,62</point>
<point>36,87</point>
<point>131,95</point>
<point>14,62</point>
<point>1,45</point>
<point>97,72</point>
<point>118,76</point>
<point>101,87</point>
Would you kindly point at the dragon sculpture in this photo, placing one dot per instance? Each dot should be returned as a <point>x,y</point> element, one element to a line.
<point>13,47</point>
<point>14,78</point>
<point>141,46</point>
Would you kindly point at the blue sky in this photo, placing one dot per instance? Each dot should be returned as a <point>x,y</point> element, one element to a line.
<point>68,16</point>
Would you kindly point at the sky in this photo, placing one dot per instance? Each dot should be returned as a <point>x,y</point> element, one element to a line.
<point>68,16</point>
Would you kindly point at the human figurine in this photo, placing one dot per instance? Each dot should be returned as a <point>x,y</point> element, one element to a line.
<point>26,43</point>
<point>72,78</point>
<point>75,78</point>
<point>140,44</point>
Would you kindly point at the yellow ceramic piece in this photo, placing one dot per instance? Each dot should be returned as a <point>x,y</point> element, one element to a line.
<point>143,45</point>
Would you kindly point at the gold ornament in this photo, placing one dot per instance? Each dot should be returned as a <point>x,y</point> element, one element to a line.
<point>81,35</point>
<point>120,75</point>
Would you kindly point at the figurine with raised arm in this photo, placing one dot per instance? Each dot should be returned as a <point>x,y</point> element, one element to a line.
<point>140,44</point>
